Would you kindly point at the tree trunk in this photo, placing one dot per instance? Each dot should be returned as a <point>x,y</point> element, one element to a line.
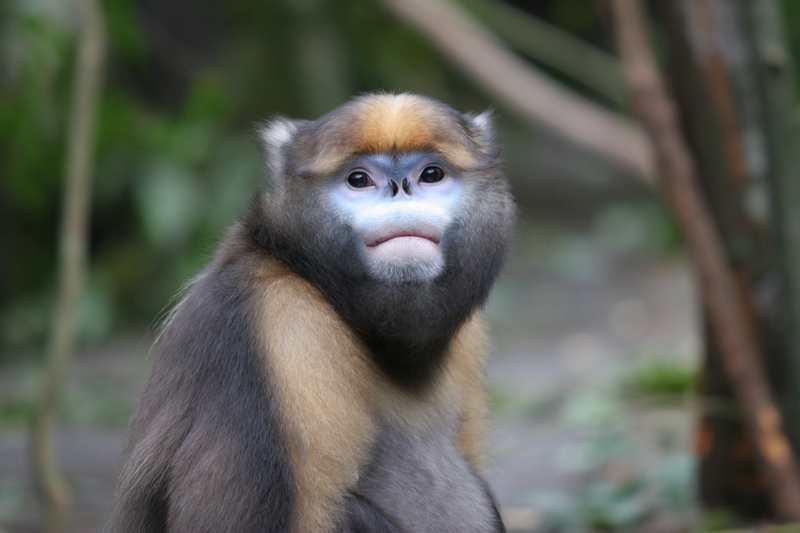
<point>774,71</point>
<point>713,65</point>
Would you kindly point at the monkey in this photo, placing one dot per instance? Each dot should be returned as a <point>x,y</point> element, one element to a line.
<point>324,373</point>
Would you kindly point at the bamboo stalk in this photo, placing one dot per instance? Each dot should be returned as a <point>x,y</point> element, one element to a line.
<point>658,115</point>
<point>72,258</point>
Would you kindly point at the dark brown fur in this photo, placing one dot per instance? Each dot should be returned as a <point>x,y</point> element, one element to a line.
<point>275,372</point>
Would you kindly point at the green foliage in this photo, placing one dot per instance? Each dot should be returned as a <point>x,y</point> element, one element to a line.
<point>92,401</point>
<point>626,481</point>
<point>577,16</point>
<point>610,506</point>
<point>97,403</point>
<point>718,520</point>
<point>125,31</point>
<point>628,227</point>
<point>791,10</point>
<point>620,491</point>
<point>616,232</point>
<point>15,412</point>
<point>32,96</point>
<point>662,375</point>
<point>176,158</point>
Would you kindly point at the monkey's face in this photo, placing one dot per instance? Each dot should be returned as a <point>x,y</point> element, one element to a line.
<point>399,207</point>
<point>395,207</point>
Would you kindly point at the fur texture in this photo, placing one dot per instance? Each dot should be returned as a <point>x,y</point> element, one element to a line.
<point>294,390</point>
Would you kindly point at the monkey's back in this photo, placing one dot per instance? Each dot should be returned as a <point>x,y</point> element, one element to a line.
<point>205,450</point>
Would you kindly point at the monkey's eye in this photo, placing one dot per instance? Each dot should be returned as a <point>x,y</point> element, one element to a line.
<point>431,174</point>
<point>359,179</point>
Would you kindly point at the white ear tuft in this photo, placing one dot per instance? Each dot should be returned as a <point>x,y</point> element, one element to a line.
<point>277,132</point>
<point>484,126</point>
<point>274,136</point>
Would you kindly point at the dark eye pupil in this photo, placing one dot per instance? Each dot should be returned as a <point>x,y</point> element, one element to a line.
<point>359,180</point>
<point>431,175</point>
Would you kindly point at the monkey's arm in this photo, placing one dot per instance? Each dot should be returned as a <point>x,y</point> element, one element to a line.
<point>468,350</point>
<point>471,442</point>
<point>471,345</point>
<point>205,452</point>
<point>499,527</point>
<point>360,516</point>
<point>141,503</point>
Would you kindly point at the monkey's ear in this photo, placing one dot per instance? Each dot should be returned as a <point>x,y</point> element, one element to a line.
<point>275,136</point>
<point>483,126</point>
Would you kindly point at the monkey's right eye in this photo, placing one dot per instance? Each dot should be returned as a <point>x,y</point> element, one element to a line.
<point>359,180</point>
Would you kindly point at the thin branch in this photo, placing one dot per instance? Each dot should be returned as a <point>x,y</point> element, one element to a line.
<point>548,44</point>
<point>72,257</point>
<point>740,351</point>
<point>526,90</point>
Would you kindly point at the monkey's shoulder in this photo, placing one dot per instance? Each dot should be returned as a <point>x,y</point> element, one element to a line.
<point>250,321</point>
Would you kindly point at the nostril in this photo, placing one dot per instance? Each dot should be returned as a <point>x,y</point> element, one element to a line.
<point>407,186</point>
<point>395,187</point>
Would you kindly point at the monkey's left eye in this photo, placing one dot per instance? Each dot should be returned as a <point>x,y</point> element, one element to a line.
<point>359,180</point>
<point>431,174</point>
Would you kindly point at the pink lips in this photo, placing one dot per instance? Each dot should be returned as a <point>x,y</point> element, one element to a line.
<point>384,238</point>
<point>404,244</point>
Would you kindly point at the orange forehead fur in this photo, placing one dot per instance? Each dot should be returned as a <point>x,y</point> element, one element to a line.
<point>389,123</point>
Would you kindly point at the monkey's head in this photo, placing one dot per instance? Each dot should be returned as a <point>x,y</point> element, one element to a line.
<point>396,209</point>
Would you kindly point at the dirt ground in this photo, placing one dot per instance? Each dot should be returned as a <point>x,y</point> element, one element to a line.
<point>570,434</point>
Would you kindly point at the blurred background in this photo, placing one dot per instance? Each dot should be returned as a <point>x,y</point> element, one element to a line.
<point>603,400</point>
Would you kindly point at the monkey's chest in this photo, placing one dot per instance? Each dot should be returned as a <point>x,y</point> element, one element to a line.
<point>422,484</point>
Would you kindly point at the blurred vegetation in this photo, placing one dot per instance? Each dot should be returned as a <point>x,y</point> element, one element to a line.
<point>627,482</point>
<point>177,158</point>
<point>187,80</point>
<point>91,401</point>
<point>662,374</point>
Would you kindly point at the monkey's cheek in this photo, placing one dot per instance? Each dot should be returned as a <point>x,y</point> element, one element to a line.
<point>404,249</point>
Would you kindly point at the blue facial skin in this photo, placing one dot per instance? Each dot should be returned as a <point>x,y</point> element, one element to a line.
<point>387,175</point>
<point>384,197</point>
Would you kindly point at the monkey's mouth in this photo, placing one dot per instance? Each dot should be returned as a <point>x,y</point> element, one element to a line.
<point>404,246</point>
<point>403,235</point>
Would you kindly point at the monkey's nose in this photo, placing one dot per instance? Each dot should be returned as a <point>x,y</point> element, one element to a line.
<point>405,184</point>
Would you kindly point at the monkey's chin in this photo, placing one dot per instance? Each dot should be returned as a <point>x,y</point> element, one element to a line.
<point>402,272</point>
<point>398,273</point>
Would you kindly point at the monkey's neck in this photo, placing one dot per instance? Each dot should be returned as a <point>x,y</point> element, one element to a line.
<point>407,327</point>
<point>406,363</point>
